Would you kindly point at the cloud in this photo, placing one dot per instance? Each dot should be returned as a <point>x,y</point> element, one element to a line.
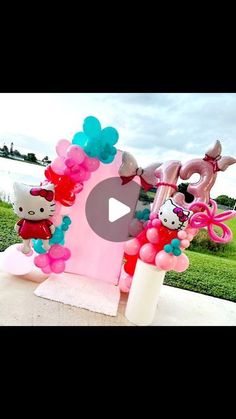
<point>152,126</point>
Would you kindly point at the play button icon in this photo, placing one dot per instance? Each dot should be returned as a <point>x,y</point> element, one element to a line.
<point>110,208</point>
<point>117,209</point>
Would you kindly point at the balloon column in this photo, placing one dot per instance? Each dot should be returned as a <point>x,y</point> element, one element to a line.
<point>162,240</point>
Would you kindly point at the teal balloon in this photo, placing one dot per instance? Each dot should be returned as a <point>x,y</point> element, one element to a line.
<point>80,139</point>
<point>66,220</point>
<point>57,237</point>
<point>110,135</point>
<point>146,211</point>
<point>92,127</point>
<point>168,248</point>
<point>64,227</point>
<point>177,251</point>
<point>139,215</point>
<point>113,151</point>
<point>175,242</point>
<point>108,160</point>
<point>146,217</point>
<point>38,247</point>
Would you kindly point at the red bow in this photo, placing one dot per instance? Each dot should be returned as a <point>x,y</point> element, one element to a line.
<point>126,179</point>
<point>213,161</point>
<point>44,193</point>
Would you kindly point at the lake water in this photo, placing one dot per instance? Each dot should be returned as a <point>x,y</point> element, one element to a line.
<point>16,171</point>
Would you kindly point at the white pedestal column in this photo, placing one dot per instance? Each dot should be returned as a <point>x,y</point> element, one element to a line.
<point>144,294</point>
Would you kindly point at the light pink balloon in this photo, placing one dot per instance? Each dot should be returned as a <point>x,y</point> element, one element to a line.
<point>132,247</point>
<point>147,253</point>
<point>182,263</point>
<point>182,235</point>
<point>165,261</point>
<point>91,163</point>
<point>58,166</point>
<point>15,262</point>
<point>135,227</point>
<point>125,283</point>
<point>168,172</point>
<point>76,153</point>
<point>152,235</point>
<point>61,147</point>
<point>185,243</point>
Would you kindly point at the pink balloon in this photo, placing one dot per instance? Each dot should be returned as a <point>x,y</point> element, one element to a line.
<point>56,251</point>
<point>87,175</point>
<point>91,163</point>
<point>135,227</point>
<point>42,260</point>
<point>61,147</point>
<point>182,235</point>
<point>76,153</point>
<point>147,253</point>
<point>125,283</point>
<point>58,166</point>
<point>79,176</point>
<point>168,174</point>
<point>153,216</point>
<point>190,237</point>
<point>152,235</point>
<point>58,266</point>
<point>156,223</point>
<point>165,261</point>
<point>66,253</point>
<point>78,188</point>
<point>132,247</point>
<point>182,263</point>
<point>46,269</point>
<point>185,243</point>
<point>15,262</point>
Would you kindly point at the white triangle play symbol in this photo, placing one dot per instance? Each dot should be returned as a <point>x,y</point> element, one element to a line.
<point>117,209</point>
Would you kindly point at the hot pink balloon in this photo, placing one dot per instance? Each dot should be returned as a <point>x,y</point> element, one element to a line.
<point>147,253</point>
<point>165,261</point>
<point>132,247</point>
<point>15,262</point>
<point>56,251</point>
<point>42,260</point>
<point>152,235</point>
<point>58,266</point>
<point>135,227</point>
<point>58,166</point>
<point>167,175</point>
<point>182,263</point>
<point>125,281</point>
<point>61,147</point>
<point>79,176</point>
<point>76,153</point>
<point>46,269</point>
<point>91,163</point>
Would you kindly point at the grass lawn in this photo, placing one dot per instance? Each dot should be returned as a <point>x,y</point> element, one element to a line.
<point>207,274</point>
<point>212,275</point>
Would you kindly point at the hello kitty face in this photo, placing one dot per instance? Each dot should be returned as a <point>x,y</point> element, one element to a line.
<point>34,203</point>
<point>173,217</point>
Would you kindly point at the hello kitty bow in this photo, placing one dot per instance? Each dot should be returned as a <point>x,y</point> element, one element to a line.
<point>211,219</point>
<point>44,193</point>
<point>129,169</point>
<point>180,213</point>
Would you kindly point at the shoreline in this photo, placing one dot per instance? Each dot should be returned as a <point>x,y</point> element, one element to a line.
<point>24,161</point>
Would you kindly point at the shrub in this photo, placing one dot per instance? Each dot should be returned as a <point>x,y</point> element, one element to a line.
<point>203,244</point>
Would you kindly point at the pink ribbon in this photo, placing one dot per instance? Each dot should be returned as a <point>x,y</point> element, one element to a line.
<point>211,219</point>
<point>213,161</point>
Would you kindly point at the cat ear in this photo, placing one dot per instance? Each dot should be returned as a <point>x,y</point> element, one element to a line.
<point>215,151</point>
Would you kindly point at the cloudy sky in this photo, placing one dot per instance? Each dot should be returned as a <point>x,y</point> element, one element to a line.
<point>154,127</point>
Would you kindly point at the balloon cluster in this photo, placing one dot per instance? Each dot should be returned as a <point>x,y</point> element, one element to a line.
<point>57,238</point>
<point>97,142</point>
<point>159,246</point>
<point>54,260</point>
<point>143,215</point>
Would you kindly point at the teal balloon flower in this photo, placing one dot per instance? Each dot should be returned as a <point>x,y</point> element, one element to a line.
<point>57,238</point>
<point>97,142</point>
<point>173,247</point>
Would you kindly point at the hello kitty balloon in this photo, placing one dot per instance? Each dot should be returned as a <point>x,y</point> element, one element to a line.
<point>34,206</point>
<point>173,216</point>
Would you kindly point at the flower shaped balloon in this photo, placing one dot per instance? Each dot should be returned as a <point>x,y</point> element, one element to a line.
<point>97,142</point>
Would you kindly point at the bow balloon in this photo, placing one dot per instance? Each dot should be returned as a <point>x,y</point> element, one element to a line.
<point>129,169</point>
<point>211,219</point>
<point>44,193</point>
